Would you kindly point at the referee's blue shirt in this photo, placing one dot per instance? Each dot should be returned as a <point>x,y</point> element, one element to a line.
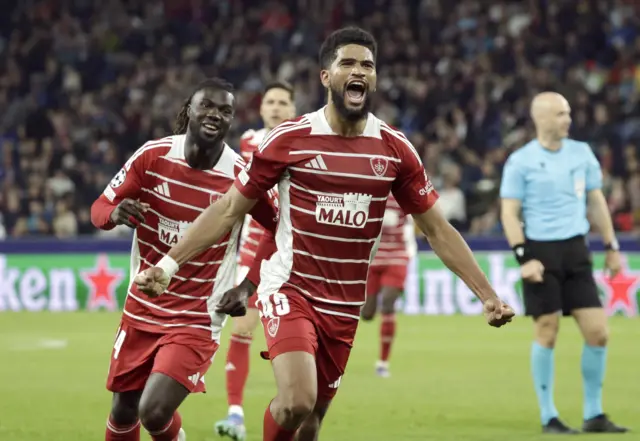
<point>553,187</point>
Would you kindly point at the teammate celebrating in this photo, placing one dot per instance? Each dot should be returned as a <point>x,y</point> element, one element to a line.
<point>386,276</point>
<point>335,169</point>
<point>164,346</point>
<point>277,106</point>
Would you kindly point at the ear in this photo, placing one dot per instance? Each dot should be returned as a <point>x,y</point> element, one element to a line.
<point>324,78</point>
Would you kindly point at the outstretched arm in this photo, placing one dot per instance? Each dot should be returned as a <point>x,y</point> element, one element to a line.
<point>454,252</point>
<point>207,229</point>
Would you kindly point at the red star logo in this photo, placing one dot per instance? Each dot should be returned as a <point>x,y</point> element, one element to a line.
<point>621,291</point>
<point>102,281</point>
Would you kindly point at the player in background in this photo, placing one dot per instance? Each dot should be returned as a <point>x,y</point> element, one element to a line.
<point>277,106</point>
<point>165,345</point>
<point>335,168</point>
<point>388,271</point>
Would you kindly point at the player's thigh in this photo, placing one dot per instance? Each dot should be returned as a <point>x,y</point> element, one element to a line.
<point>579,289</point>
<point>542,298</point>
<point>292,343</point>
<point>336,335</point>
<point>370,306</point>
<point>247,324</point>
<point>392,282</point>
<point>185,358</point>
<point>131,359</point>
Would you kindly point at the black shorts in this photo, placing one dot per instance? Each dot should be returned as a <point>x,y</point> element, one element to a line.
<point>568,282</point>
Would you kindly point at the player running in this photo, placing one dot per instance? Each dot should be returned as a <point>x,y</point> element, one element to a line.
<point>388,271</point>
<point>164,346</point>
<point>277,106</point>
<point>335,169</point>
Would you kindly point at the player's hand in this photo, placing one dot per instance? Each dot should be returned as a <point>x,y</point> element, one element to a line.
<point>234,301</point>
<point>612,263</point>
<point>152,281</point>
<point>129,212</point>
<point>497,312</point>
<point>532,271</point>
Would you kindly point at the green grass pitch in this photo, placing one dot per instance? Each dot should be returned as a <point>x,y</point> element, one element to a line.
<point>453,379</point>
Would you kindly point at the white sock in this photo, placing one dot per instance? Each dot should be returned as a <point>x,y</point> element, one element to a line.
<point>236,410</point>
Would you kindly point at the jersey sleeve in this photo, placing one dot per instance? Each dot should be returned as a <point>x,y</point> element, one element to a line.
<point>265,211</point>
<point>127,183</point>
<point>266,166</point>
<point>512,185</point>
<point>412,188</point>
<point>594,171</point>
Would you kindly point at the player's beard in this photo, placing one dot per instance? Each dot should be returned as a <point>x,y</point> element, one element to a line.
<point>338,97</point>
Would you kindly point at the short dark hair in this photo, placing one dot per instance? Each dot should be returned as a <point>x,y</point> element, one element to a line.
<point>343,37</point>
<point>280,85</point>
<point>182,120</point>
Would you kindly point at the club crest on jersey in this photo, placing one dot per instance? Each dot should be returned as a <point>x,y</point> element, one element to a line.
<point>350,210</point>
<point>273,325</point>
<point>379,165</point>
<point>170,231</point>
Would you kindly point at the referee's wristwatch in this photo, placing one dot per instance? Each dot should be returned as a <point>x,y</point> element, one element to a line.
<point>613,246</point>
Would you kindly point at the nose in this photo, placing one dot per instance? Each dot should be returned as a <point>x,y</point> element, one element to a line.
<point>214,114</point>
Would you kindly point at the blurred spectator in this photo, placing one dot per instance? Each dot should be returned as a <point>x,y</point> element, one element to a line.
<point>84,83</point>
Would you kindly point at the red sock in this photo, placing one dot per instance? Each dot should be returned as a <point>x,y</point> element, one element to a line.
<point>387,333</point>
<point>237,368</point>
<point>122,433</point>
<point>170,431</point>
<point>272,430</point>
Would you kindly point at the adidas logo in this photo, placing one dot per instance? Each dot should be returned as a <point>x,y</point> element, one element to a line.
<point>163,189</point>
<point>336,383</point>
<point>194,378</point>
<point>316,163</point>
<point>229,367</point>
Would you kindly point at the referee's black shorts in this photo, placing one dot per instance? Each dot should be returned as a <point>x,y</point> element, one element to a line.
<point>568,282</point>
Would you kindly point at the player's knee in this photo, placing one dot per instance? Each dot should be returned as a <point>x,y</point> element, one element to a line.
<point>297,406</point>
<point>597,337</point>
<point>154,415</point>
<point>122,412</point>
<point>546,330</point>
<point>367,316</point>
<point>245,326</point>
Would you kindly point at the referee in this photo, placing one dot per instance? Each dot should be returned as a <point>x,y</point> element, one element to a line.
<point>549,185</point>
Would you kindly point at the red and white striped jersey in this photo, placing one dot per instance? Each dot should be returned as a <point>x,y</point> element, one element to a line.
<point>398,240</point>
<point>251,230</point>
<point>159,175</point>
<point>332,192</point>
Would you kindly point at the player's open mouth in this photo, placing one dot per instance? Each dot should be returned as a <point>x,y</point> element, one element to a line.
<point>356,91</point>
<point>210,129</point>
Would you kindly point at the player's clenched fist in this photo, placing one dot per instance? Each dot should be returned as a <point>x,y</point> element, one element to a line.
<point>129,212</point>
<point>497,312</point>
<point>152,281</point>
<point>234,301</point>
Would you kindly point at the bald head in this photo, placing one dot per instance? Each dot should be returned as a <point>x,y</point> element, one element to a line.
<point>551,115</point>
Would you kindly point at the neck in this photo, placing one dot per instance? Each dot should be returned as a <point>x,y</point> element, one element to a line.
<point>342,126</point>
<point>202,158</point>
<point>549,142</point>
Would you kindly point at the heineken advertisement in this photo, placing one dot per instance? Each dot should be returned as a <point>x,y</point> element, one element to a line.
<point>98,281</point>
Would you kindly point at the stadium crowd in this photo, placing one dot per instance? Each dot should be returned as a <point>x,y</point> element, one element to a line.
<point>84,83</point>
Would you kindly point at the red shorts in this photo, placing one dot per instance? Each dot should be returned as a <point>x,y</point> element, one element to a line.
<point>292,323</point>
<point>392,276</point>
<point>137,354</point>
<point>241,273</point>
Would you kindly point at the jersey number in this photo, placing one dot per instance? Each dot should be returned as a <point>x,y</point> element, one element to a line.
<point>118,344</point>
<point>277,306</point>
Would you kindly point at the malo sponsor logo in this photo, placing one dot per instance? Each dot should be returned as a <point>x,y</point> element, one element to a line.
<point>350,210</point>
<point>170,231</point>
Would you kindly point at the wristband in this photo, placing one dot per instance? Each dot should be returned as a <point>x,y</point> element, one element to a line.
<point>168,265</point>
<point>521,253</point>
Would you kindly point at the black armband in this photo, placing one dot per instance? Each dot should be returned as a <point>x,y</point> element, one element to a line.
<point>522,253</point>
